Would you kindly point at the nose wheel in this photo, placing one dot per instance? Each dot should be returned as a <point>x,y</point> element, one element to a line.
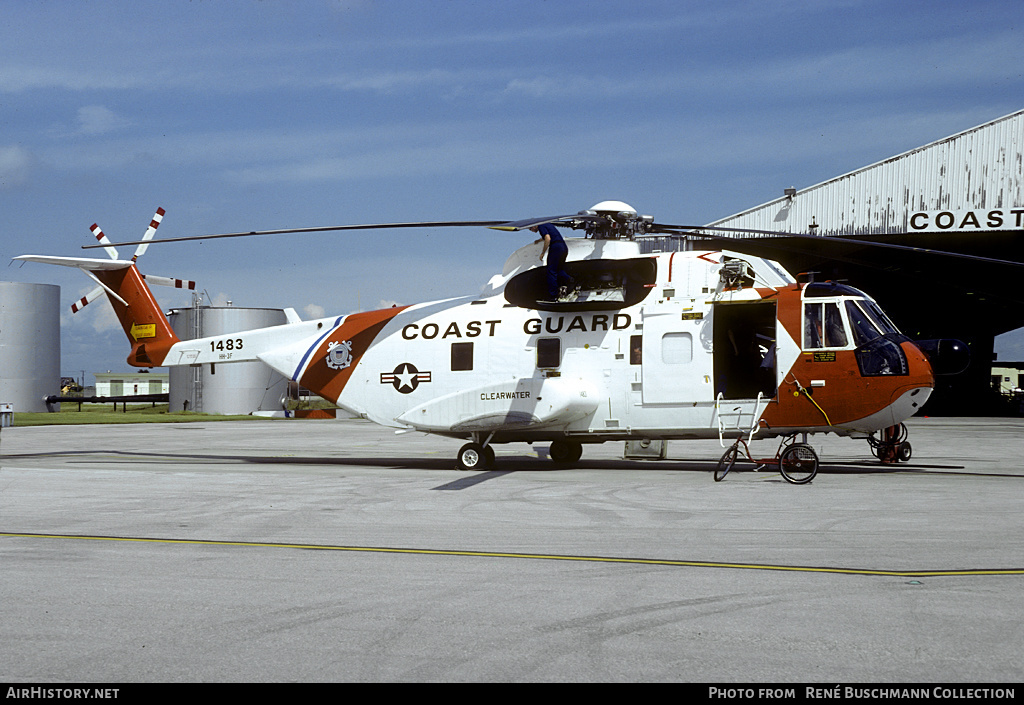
<point>893,447</point>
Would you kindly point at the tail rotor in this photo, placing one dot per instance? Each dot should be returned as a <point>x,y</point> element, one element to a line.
<point>150,232</point>
<point>103,240</point>
<point>139,251</point>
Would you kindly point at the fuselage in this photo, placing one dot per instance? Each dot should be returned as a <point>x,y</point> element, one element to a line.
<point>696,345</point>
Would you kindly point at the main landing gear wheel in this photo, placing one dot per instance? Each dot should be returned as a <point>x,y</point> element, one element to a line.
<point>474,456</point>
<point>798,464</point>
<point>565,451</point>
<point>726,463</point>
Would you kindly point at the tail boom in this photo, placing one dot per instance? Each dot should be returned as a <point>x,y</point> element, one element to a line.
<point>140,316</point>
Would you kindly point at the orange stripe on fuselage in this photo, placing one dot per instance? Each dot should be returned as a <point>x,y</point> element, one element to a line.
<point>360,329</point>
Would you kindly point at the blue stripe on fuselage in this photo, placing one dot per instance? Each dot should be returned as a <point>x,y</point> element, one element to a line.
<point>314,346</point>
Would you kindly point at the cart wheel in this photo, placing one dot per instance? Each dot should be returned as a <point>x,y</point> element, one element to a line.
<point>799,463</point>
<point>726,463</point>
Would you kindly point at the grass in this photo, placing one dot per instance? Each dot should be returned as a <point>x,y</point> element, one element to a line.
<point>105,413</point>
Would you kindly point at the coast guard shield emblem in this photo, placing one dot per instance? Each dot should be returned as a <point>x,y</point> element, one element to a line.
<point>339,355</point>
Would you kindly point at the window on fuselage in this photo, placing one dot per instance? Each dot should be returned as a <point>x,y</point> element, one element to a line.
<point>462,357</point>
<point>676,348</point>
<point>636,349</point>
<point>824,326</point>
<point>549,352</point>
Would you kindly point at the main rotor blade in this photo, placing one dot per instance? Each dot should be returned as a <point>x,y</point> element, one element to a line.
<point>826,241</point>
<point>527,223</point>
<point>328,228</point>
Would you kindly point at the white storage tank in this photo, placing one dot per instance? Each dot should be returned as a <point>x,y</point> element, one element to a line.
<point>29,344</point>
<point>225,388</point>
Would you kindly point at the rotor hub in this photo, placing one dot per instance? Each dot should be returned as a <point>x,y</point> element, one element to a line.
<point>613,220</point>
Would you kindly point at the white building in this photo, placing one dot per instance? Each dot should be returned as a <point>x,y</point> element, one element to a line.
<point>131,384</point>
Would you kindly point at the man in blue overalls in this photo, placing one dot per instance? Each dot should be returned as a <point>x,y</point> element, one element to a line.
<point>557,251</point>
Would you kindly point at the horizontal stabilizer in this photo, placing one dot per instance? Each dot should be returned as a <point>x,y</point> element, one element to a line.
<point>93,265</point>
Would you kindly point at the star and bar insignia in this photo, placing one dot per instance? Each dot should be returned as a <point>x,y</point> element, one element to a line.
<point>406,378</point>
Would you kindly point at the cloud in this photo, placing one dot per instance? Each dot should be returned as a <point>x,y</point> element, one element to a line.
<point>103,318</point>
<point>98,120</point>
<point>16,78</point>
<point>98,318</point>
<point>15,166</point>
<point>313,311</point>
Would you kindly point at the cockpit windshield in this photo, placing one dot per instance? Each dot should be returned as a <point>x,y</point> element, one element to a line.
<point>844,322</point>
<point>878,315</point>
<point>868,321</point>
<point>854,322</point>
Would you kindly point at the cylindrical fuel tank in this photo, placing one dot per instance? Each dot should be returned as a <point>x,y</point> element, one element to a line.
<point>225,388</point>
<point>29,344</point>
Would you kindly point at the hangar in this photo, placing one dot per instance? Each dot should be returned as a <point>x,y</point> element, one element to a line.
<point>962,194</point>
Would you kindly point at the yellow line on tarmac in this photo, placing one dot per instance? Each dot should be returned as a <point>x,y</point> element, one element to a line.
<point>535,556</point>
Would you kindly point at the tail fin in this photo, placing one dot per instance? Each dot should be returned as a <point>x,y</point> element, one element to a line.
<point>143,322</point>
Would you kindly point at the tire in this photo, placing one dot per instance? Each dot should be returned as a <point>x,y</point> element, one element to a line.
<point>904,451</point>
<point>798,464</point>
<point>726,463</point>
<point>473,456</point>
<point>565,451</point>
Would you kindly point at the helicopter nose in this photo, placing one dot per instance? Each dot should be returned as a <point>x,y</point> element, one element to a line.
<point>947,356</point>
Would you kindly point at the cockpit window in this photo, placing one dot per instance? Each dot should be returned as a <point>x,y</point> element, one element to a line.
<point>823,326</point>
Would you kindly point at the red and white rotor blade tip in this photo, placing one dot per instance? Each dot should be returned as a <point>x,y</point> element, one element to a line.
<point>150,232</point>
<point>150,279</point>
<point>87,299</point>
<point>169,281</point>
<point>107,244</point>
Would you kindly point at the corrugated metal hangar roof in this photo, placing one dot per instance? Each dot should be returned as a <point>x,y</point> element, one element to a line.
<point>971,181</point>
<point>962,195</point>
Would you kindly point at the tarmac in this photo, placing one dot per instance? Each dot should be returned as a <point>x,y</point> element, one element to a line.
<point>302,551</point>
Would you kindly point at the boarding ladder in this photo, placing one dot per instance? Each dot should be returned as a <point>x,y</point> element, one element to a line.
<point>738,418</point>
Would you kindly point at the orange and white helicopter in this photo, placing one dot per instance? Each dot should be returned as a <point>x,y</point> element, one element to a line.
<point>644,347</point>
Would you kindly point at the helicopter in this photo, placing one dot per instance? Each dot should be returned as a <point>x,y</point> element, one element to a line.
<point>641,347</point>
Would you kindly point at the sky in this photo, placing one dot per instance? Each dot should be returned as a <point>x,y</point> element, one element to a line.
<point>254,115</point>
